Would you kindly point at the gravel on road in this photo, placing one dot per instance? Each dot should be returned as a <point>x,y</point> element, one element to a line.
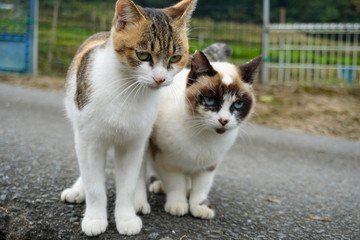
<point>273,184</point>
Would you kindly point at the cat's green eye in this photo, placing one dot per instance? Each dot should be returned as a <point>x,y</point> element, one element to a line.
<point>143,56</point>
<point>175,59</point>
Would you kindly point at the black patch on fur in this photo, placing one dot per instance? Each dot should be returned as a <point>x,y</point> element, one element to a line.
<point>161,31</point>
<point>216,52</point>
<point>200,66</point>
<point>152,46</point>
<point>248,70</point>
<point>241,113</point>
<point>153,179</point>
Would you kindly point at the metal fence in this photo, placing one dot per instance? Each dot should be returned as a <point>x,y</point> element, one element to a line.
<point>243,36</point>
<point>77,20</point>
<point>17,46</point>
<point>313,54</point>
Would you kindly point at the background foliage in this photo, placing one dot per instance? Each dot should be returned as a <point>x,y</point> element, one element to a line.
<point>236,22</point>
<point>245,10</point>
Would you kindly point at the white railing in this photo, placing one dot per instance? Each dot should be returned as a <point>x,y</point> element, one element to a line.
<point>312,54</point>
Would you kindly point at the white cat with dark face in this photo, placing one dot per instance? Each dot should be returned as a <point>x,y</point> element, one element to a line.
<point>197,124</point>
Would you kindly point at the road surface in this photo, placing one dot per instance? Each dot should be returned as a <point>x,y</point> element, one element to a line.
<point>273,184</point>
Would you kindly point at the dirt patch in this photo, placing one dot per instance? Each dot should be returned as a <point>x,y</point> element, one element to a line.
<point>324,111</point>
<point>42,82</point>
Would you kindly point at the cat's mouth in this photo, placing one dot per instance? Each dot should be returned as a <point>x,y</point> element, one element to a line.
<point>220,130</point>
<point>155,87</point>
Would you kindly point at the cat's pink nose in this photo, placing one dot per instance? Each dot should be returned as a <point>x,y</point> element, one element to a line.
<point>159,81</point>
<point>223,121</point>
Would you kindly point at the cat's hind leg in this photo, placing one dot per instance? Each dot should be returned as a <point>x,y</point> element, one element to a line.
<point>201,184</point>
<point>141,203</point>
<point>75,194</point>
<point>156,186</point>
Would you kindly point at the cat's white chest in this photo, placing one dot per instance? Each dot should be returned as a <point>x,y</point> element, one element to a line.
<point>194,153</point>
<point>118,105</point>
<point>116,117</point>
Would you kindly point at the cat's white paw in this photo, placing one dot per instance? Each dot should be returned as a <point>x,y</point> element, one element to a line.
<point>94,226</point>
<point>177,208</point>
<point>130,226</point>
<point>73,195</point>
<point>142,207</point>
<point>202,211</point>
<point>156,187</point>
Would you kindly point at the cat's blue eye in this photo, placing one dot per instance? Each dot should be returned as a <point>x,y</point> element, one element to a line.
<point>238,105</point>
<point>209,101</point>
<point>143,56</point>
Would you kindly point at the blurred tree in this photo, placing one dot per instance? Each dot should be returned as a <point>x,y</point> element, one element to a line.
<point>240,10</point>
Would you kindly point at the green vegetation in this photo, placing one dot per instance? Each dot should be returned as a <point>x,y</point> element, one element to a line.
<point>73,29</point>
<point>234,22</point>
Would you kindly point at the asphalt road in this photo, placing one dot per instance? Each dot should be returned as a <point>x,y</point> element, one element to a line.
<point>269,187</point>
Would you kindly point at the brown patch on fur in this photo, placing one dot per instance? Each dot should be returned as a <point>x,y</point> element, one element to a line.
<point>132,39</point>
<point>153,179</point>
<point>220,130</point>
<point>154,149</point>
<point>154,32</point>
<point>83,92</point>
<point>99,39</point>
<point>91,42</point>
<point>200,66</point>
<point>249,69</point>
<point>126,12</point>
<point>80,65</point>
<point>181,10</point>
<point>211,168</point>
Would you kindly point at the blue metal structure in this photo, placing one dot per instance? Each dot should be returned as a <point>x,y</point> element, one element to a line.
<point>16,35</point>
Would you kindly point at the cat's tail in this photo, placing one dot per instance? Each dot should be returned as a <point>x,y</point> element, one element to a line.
<point>216,52</point>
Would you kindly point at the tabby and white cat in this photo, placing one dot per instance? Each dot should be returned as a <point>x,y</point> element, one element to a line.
<point>197,124</point>
<point>112,100</point>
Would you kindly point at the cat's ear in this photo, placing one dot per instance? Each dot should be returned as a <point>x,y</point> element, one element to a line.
<point>182,11</point>
<point>248,70</point>
<point>127,12</point>
<point>200,66</point>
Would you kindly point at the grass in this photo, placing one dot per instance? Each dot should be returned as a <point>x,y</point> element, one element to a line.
<point>76,23</point>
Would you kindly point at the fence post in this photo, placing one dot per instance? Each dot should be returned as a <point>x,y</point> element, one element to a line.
<point>53,35</point>
<point>35,36</point>
<point>266,9</point>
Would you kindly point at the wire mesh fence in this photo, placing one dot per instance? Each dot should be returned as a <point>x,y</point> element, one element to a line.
<point>314,54</point>
<point>244,37</point>
<point>77,20</point>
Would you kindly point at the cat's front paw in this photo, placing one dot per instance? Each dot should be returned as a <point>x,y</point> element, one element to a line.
<point>142,207</point>
<point>130,226</point>
<point>178,208</point>
<point>94,226</point>
<point>202,211</point>
<point>73,195</point>
<point>156,187</point>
